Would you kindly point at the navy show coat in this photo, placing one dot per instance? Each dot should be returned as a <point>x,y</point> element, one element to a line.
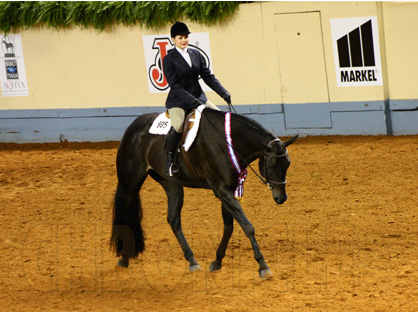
<point>184,80</point>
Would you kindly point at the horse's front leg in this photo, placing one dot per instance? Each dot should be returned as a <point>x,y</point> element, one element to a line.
<point>233,206</point>
<point>175,195</point>
<point>228,229</point>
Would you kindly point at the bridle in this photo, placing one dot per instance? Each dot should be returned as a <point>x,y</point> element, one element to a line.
<point>267,181</point>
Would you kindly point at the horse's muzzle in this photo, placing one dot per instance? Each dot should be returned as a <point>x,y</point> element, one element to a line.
<point>280,199</point>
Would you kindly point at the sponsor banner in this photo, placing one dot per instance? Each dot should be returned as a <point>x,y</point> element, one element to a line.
<point>12,66</point>
<point>356,51</point>
<point>156,47</point>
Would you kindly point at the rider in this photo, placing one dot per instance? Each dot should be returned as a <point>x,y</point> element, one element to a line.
<point>182,67</point>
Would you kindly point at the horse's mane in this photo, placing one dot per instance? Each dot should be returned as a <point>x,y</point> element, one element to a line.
<point>252,124</point>
<point>249,128</point>
<point>249,122</point>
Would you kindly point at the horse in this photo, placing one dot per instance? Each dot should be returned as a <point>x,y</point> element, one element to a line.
<point>141,154</point>
<point>8,46</point>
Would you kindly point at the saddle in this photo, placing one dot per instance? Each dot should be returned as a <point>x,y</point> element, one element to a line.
<point>162,125</point>
<point>187,127</point>
<point>188,121</point>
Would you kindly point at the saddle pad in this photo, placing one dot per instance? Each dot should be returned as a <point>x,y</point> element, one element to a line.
<point>162,125</point>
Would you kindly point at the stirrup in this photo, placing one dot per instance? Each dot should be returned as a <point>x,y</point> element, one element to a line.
<point>173,170</point>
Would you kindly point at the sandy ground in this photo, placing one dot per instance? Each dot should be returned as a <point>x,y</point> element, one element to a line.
<point>346,239</point>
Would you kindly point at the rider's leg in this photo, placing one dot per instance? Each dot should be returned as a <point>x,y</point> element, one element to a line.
<point>172,140</point>
<point>177,118</point>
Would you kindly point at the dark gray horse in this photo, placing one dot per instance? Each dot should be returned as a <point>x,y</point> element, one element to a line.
<point>141,154</point>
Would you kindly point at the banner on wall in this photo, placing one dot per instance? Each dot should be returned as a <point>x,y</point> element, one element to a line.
<point>12,67</point>
<point>356,51</point>
<point>156,48</point>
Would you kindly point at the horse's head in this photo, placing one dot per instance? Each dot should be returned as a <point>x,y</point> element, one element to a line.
<point>273,165</point>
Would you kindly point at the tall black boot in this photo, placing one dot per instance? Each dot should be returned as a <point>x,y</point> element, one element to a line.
<point>171,143</point>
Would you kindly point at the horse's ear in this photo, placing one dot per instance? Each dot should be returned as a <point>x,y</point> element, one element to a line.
<point>291,141</point>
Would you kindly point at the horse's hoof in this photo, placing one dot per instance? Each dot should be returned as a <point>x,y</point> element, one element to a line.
<point>266,274</point>
<point>215,266</point>
<point>123,262</point>
<point>193,268</point>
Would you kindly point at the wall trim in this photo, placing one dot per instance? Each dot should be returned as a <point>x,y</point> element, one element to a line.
<point>109,124</point>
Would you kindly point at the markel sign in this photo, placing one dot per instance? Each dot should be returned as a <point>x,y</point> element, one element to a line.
<point>356,51</point>
<point>156,48</point>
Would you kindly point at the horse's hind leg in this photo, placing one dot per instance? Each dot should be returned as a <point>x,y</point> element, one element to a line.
<point>228,229</point>
<point>175,195</point>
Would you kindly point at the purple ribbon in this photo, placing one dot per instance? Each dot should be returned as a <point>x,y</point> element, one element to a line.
<point>242,174</point>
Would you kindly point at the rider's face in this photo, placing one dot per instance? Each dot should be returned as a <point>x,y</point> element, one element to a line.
<point>181,41</point>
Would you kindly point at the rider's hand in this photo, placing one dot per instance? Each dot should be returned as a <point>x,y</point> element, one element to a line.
<point>227,98</point>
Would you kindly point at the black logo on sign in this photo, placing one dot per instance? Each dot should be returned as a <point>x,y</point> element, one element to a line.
<point>356,48</point>
<point>8,47</point>
<point>11,70</point>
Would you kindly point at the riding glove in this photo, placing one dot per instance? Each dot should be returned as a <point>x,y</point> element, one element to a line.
<point>227,98</point>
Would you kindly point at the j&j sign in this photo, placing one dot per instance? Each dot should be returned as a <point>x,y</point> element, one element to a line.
<point>156,48</point>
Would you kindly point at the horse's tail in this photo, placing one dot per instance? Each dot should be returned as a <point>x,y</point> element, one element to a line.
<point>127,235</point>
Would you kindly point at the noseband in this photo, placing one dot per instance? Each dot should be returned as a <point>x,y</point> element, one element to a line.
<point>265,165</point>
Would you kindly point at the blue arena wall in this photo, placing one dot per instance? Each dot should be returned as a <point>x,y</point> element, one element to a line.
<point>108,124</point>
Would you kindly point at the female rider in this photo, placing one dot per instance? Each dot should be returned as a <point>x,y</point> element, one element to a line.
<point>182,67</point>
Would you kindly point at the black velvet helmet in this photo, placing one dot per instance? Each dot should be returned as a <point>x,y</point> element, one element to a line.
<point>179,28</point>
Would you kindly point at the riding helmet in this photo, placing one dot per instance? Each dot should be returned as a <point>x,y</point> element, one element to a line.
<point>179,28</point>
